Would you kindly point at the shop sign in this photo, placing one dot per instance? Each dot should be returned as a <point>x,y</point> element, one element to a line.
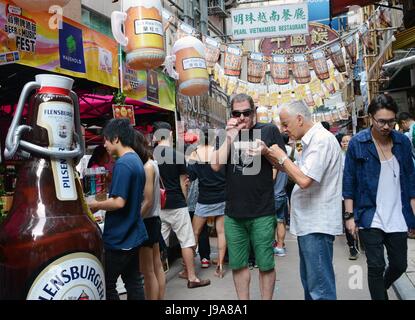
<point>318,34</point>
<point>270,21</point>
<point>124,111</point>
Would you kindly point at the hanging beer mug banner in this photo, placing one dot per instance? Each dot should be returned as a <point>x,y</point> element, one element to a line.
<point>320,65</point>
<point>350,45</point>
<point>39,5</point>
<point>366,37</point>
<point>336,56</point>
<point>212,49</point>
<point>280,69</point>
<point>256,67</point>
<point>233,61</point>
<point>144,35</point>
<point>300,69</point>
<point>189,54</point>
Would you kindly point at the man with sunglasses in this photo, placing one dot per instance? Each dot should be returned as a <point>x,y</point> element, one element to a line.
<point>379,194</point>
<point>250,207</point>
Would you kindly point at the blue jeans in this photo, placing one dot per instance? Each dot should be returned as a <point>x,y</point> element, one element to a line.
<point>316,266</point>
<point>281,208</point>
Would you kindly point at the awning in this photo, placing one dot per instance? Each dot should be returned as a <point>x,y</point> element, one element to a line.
<point>341,6</point>
<point>405,39</point>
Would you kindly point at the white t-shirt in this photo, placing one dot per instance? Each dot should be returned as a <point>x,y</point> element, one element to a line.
<point>318,209</point>
<point>389,216</point>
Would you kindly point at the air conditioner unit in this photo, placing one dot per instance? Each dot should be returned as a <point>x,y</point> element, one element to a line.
<point>217,8</point>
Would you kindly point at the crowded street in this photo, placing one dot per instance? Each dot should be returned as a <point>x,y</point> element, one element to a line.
<point>184,151</point>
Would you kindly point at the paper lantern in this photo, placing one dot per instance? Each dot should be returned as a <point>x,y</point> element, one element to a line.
<point>320,65</point>
<point>191,66</point>
<point>300,68</point>
<point>256,67</point>
<point>144,35</point>
<point>39,5</point>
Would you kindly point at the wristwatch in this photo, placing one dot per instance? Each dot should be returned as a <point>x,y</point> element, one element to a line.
<point>348,215</point>
<point>282,160</point>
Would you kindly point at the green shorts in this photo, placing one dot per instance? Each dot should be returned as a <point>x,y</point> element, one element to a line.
<point>241,233</point>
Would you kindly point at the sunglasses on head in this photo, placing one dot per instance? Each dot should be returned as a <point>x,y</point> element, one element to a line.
<point>237,114</point>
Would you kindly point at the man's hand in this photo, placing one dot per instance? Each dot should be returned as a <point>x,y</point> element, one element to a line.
<point>258,148</point>
<point>93,205</point>
<point>233,127</point>
<point>277,151</point>
<point>352,227</point>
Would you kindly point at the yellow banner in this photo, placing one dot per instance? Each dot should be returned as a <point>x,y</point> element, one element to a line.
<point>34,39</point>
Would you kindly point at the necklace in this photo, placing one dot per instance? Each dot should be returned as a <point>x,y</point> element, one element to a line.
<point>384,156</point>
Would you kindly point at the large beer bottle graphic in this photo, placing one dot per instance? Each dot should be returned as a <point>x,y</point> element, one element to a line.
<point>49,247</point>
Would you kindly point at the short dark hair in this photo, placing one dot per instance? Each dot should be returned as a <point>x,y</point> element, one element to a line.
<point>382,101</point>
<point>162,125</point>
<point>141,146</point>
<point>404,116</point>
<point>242,97</point>
<point>121,129</point>
<point>326,125</point>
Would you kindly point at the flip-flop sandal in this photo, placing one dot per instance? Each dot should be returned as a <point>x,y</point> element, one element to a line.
<point>197,284</point>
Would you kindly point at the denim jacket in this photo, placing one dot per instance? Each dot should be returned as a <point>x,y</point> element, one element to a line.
<point>362,171</point>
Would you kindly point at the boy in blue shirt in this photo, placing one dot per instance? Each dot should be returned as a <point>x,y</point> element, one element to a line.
<point>124,229</point>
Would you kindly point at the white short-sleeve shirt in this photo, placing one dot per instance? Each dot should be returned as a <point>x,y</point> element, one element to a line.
<point>318,208</point>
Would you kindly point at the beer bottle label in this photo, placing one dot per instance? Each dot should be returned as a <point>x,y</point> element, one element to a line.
<point>76,276</point>
<point>58,119</point>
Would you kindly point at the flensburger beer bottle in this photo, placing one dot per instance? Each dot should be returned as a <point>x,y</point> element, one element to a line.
<point>50,249</point>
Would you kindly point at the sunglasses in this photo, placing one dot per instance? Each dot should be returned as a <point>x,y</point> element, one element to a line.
<point>237,114</point>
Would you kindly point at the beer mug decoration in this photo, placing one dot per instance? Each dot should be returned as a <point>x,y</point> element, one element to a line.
<point>300,69</point>
<point>350,45</point>
<point>256,67</point>
<point>189,56</point>
<point>39,5</point>
<point>144,35</point>
<point>336,56</point>
<point>280,69</point>
<point>262,114</point>
<point>212,48</point>
<point>50,248</point>
<point>320,65</point>
<point>233,61</point>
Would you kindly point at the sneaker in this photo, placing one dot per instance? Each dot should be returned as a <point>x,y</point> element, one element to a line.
<point>205,263</point>
<point>280,252</point>
<point>353,253</point>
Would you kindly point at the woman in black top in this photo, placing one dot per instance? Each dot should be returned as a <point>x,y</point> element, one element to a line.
<point>211,200</point>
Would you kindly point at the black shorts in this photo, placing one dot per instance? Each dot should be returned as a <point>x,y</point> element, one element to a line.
<point>153,226</point>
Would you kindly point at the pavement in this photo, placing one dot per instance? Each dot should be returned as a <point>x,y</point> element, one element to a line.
<point>351,277</point>
<point>405,285</point>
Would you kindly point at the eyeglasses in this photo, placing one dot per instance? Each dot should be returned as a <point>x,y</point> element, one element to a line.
<point>382,122</point>
<point>237,114</point>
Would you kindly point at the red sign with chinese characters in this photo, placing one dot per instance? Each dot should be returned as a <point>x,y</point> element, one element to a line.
<point>319,34</point>
<point>124,111</point>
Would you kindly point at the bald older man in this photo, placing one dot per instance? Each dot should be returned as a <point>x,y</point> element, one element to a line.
<point>316,211</point>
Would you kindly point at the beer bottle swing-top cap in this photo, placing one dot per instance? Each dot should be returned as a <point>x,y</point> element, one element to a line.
<point>53,81</point>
